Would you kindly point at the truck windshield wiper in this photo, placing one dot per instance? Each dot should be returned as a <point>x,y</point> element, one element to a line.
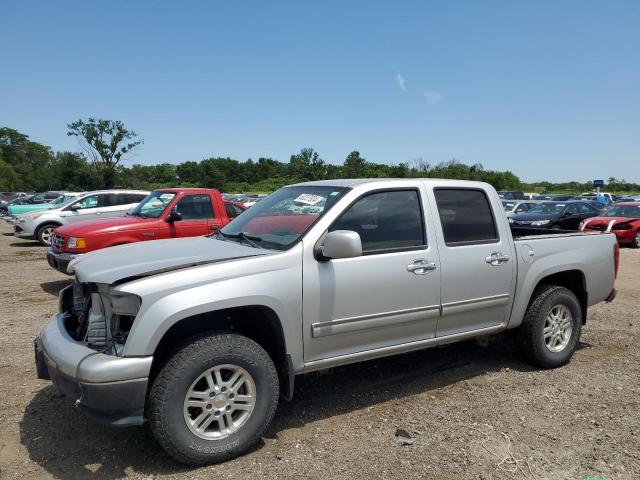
<point>250,239</point>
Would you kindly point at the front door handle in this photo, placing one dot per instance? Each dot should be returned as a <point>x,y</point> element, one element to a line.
<point>497,258</point>
<point>421,267</point>
<point>214,228</point>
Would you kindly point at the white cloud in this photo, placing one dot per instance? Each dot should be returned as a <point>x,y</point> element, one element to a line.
<point>433,97</point>
<point>401,83</point>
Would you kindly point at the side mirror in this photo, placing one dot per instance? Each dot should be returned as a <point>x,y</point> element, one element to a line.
<point>174,217</point>
<point>341,244</point>
<point>75,206</point>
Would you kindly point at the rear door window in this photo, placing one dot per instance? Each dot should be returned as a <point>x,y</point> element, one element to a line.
<point>466,216</point>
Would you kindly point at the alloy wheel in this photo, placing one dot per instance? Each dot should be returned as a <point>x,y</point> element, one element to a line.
<point>558,327</point>
<point>46,235</point>
<point>219,402</point>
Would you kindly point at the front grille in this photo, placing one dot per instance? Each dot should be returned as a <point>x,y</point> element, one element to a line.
<point>57,241</point>
<point>522,222</point>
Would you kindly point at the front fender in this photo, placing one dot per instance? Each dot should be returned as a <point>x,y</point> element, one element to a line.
<point>273,281</point>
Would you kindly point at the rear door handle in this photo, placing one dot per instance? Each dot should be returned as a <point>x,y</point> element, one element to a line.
<point>421,267</point>
<point>214,228</point>
<point>497,258</point>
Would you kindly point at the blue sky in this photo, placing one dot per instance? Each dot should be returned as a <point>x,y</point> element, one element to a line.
<point>547,89</point>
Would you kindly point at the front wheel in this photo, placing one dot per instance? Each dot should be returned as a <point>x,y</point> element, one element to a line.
<point>44,234</point>
<point>551,327</point>
<point>213,399</point>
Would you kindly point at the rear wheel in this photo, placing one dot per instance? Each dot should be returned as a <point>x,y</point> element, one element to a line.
<point>45,232</point>
<point>213,399</point>
<point>551,328</point>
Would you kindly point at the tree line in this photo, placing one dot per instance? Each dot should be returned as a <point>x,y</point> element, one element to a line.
<point>26,165</point>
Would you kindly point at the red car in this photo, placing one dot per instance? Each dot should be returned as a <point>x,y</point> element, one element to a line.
<point>623,219</point>
<point>164,213</point>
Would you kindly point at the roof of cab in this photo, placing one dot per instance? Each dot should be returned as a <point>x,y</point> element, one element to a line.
<point>185,190</point>
<point>355,182</point>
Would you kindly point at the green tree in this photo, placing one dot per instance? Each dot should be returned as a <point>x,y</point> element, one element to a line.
<point>8,177</point>
<point>307,165</point>
<point>106,143</point>
<point>29,160</point>
<point>354,166</point>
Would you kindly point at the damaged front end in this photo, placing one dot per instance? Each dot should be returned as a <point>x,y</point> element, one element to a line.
<point>98,316</point>
<point>80,351</point>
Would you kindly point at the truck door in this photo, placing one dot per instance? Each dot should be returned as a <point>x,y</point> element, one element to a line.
<point>389,295</point>
<point>478,264</point>
<point>197,213</point>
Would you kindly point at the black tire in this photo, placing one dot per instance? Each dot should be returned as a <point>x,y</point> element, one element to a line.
<point>531,332</point>
<point>165,409</point>
<point>43,230</point>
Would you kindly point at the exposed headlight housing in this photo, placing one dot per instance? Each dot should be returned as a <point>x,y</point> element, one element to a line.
<point>76,242</point>
<point>21,219</point>
<point>539,223</point>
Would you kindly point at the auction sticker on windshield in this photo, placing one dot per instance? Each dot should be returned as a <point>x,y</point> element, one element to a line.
<point>309,199</point>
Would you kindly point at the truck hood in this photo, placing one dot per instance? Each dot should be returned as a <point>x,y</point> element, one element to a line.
<point>142,259</point>
<point>104,225</point>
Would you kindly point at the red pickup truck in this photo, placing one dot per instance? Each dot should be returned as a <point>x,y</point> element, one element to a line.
<point>164,213</point>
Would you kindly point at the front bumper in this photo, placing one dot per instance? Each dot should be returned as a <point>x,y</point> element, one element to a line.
<point>20,231</point>
<point>108,388</point>
<point>60,260</point>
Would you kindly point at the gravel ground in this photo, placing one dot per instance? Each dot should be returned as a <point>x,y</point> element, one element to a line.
<point>452,413</point>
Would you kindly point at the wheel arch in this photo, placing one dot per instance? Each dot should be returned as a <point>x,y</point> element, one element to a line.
<point>260,323</point>
<point>573,280</point>
<point>42,225</point>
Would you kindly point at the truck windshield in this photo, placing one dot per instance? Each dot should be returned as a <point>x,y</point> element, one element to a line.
<point>152,205</point>
<point>279,220</point>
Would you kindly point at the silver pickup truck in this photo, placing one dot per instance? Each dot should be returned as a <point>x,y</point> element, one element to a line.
<point>201,336</point>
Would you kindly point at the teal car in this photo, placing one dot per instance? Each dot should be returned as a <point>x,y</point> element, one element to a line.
<point>16,210</point>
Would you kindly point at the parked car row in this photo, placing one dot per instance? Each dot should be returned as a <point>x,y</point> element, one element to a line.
<point>20,198</point>
<point>164,213</point>
<point>78,223</point>
<point>556,215</point>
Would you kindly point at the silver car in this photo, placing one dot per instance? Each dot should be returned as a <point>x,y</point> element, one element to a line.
<point>87,206</point>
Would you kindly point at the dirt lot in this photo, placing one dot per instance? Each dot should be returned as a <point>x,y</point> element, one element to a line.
<point>465,407</point>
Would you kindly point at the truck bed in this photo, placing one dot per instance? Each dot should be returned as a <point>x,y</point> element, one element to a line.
<point>522,233</point>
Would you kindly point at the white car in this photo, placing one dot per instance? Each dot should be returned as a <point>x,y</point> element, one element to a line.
<point>88,206</point>
<point>514,207</point>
